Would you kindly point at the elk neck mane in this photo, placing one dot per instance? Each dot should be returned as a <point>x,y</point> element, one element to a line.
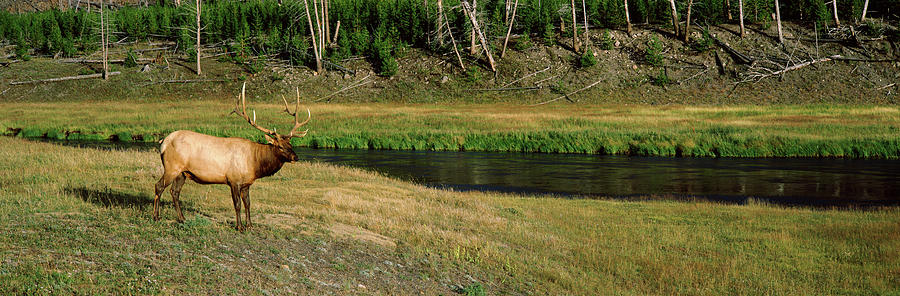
<point>267,160</point>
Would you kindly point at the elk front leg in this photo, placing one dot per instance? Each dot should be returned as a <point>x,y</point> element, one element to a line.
<point>236,198</point>
<point>176,193</point>
<point>245,196</point>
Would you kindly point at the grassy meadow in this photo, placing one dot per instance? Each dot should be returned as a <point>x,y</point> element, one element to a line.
<point>726,131</point>
<point>78,220</point>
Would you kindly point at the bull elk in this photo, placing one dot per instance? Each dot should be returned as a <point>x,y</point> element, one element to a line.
<point>236,162</point>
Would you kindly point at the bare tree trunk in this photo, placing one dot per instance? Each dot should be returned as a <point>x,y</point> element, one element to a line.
<point>452,39</point>
<point>472,48</point>
<point>320,30</point>
<point>865,7</point>
<point>837,22</point>
<point>741,15</point>
<point>675,18</point>
<point>325,6</point>
<point>687,24</point>
<point>587,38</point>
<point>574,29</point>
<point>506,12</point>
<point>198,37</point>
<point>103,42</point>
<point>627,19</point>
<point>337,29</point>
<point>440,26</point>
<point>509,30</point>
<point>312,33</point>
<point>778,21</point>
<point>484,45</point>
<point>728,8</point>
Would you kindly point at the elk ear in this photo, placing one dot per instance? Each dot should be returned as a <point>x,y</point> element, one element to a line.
<point>269,139</point>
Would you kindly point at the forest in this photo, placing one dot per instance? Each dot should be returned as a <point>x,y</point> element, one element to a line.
<point>377,28</point>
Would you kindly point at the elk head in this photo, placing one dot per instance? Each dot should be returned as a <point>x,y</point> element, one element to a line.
<point>281,144</point>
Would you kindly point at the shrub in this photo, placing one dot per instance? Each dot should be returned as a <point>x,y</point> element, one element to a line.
<point>523,43</point>
<point>473,75</point>
<point>381,52</point>
<point>704,43</point>
<point>653,54</point>
<point>662,79</point>
<point>587,59</point>
<point>606,41</point>
<point>257,66</point>
<point>130,59</point>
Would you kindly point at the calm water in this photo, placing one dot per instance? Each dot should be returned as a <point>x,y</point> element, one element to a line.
<point>793,181</point>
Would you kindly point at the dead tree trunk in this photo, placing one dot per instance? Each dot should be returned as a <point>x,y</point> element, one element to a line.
<point>337,30</point>
<point>315,40</point>
<point>440,22</point>
<point>472,37</point>
<point>627,19</point>
<point>103,40</point>
<point>484,46</point>
<point>865,7</point>
<point>198,37</point>
<point>319,37</point>
<point>574,29</point>
<point>687,23</point>
<point>587,37</point>
<point>453,40</point>
<point>728,9</point>
<point>675,18</point>
<point>741,15</point>
<point>509,29</point>
<point>837,22</point>
<point>325,6</point>
<point>778,22</point>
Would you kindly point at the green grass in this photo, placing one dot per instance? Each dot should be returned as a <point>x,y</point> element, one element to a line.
<point>78,220</point>
<point>704,131</point>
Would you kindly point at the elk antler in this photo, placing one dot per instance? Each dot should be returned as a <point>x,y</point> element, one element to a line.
<point>297,122</point>
<point>243,113</point>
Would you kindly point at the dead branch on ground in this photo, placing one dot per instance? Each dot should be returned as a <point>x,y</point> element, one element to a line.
<point>98,75</point>
<point>358,83</point>
<point>765,68</point>
<point>566,96</point>
<point>526,76</point>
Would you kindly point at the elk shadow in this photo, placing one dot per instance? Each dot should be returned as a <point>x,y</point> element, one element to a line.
<point>110,198</point>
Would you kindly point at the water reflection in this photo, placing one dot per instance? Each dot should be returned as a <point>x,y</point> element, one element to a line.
<point>796,181</point>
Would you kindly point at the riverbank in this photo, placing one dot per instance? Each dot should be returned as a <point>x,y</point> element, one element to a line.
<point>325,228</point>
<point>698,131</point>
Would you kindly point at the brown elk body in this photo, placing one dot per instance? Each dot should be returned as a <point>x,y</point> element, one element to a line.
<point>235,162</point>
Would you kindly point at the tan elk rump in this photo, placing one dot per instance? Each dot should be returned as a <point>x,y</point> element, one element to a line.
<point>236,162</point>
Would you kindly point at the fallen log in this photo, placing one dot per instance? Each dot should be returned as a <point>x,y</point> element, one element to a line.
<point>526,76</point>
<point>98,75</point>
<point>739,57</point>
<point>510,88</point>
<point>119,61</point>
<point>566,96</point>
<point>187,81</point>
<point>9,62</point>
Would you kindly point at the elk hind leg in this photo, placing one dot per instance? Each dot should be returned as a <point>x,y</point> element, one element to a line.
<point>236,199</point>
<point>161,185</point>
<point>175,191</point>
<point>245,197</point>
